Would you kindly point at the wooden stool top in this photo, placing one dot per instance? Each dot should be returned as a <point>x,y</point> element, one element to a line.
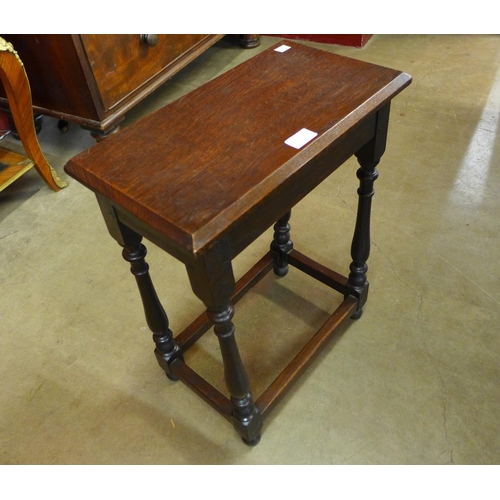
<point>200,165</point>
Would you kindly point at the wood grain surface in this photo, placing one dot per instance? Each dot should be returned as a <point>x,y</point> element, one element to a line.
<point>198,165</point>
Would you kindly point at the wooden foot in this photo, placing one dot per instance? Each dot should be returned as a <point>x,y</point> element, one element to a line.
<point>100,135</point>
<point>253,442</point>
<point>357,314</point>
<point>249,41</point>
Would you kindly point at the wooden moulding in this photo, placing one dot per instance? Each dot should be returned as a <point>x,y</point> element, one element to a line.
<point>276,391</point>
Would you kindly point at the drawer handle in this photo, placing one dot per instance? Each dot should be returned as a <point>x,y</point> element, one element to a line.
<point>151,40</point>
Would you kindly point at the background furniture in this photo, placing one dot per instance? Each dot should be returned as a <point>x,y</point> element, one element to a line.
<point>93,80</point>
<point>13,165</point>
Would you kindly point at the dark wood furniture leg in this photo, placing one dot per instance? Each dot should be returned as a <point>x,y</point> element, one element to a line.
<point>134,252</point>
<point>282,245</point>
<point>212,281</point>
<point>249,41</point>
<point>63,126</point>
<point>368,157</point>
<point>113,128</point>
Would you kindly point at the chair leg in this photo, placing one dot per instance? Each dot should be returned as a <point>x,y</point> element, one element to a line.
<point>18,92</point>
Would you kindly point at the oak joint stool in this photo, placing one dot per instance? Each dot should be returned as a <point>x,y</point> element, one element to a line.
<point>207,174</point>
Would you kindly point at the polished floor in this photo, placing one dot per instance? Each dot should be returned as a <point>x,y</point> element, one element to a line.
<point>415,381</point>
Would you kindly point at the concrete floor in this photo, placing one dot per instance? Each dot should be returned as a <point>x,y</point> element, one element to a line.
<point>415,381</point>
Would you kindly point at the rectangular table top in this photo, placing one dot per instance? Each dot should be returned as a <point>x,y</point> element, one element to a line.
<point>199,164</point>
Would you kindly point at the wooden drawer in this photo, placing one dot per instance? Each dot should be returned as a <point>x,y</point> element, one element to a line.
<point>122,63</point>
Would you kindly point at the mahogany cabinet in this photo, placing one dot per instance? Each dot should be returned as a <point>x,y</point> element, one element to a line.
<point>93,80</point>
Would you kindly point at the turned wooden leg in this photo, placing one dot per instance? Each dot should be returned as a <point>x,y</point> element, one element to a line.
<point>360,249</point>
<point>368,157</point>
<point>166,348</point>
<point>134,252</point>
<point>212,281</point>
<point>282,244</point>
<point>246,417</point>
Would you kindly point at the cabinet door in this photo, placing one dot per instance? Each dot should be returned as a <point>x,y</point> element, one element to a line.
<point>121,64</point>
